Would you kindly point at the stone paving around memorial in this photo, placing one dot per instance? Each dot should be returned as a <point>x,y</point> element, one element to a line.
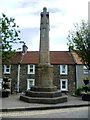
<point>13,102</point>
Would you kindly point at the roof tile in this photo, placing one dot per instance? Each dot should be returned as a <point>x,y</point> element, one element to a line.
<point>32,57</point>
<point>76,58</point>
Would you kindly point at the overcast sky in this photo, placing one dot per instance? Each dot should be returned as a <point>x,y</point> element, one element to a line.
<point>63,13</point>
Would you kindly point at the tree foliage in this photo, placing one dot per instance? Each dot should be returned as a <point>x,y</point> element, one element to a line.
<point>9,34</point>
<point>79,41</point>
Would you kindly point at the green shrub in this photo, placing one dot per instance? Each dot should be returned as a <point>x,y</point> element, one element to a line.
<point>78,91</point>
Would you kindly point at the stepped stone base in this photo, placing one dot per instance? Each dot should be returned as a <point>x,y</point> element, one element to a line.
<point>43,94</point>
<point>43,97</point>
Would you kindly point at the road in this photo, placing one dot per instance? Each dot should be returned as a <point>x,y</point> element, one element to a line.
<point>80,112</point>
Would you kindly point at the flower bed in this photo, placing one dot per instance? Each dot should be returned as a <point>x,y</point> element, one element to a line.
<point>5,87</point>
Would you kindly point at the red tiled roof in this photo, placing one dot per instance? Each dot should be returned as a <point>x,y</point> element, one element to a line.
<point>56,57</point>
<point>61,57</point>
<point>17,58</point>
<point>32,57</point>
<point>76,58</point>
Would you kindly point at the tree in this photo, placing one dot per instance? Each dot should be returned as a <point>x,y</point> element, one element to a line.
<point>8,35</point>
<point>79,41</point>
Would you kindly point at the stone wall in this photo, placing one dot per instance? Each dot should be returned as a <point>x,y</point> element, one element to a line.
<point>70,77</point>
<point>23,78</point>
<point>13,73</point>
<point>13,76</point>
<point>56,76</point>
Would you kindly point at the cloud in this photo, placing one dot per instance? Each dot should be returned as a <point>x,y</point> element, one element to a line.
<point>62,16</point>
<point>31,21</point>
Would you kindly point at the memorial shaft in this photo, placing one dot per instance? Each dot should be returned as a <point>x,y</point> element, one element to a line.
<point>45,70</point>
<point>44,37</point>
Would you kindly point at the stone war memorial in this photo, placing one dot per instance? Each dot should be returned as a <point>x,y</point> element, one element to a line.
<point>44,91</point>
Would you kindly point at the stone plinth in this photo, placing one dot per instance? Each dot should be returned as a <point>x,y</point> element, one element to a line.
<point>45,76</point>
<point>44,89</point>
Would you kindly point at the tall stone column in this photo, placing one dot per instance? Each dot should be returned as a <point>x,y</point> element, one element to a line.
<point>45,70</point>
<point>44,38</point>
<point>44,91</point>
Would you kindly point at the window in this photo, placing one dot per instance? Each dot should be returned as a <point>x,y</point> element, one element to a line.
<point>31,69</point>
<point>85,70</point>
<point>64,84</point>
<point>30,83</point>
<point>63,69</point>
<point>7,69</point>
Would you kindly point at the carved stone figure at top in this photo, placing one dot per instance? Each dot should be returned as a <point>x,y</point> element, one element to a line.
<point>44,18</point>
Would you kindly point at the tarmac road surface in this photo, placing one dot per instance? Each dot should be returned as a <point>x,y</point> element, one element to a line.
<point>80,112</point>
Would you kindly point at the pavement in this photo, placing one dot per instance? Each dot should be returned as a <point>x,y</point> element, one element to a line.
<point>13,103</point>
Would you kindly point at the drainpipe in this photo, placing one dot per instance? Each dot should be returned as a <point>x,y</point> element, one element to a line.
<point>18,78</point>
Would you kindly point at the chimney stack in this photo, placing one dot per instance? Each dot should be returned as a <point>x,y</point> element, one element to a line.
<point>24,48</point>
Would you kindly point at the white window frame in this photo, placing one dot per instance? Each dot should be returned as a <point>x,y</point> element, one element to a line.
<point>85,70</point>
<point>28,83</point>
<point>61,69</point>
<point>29,72</point>
<point>5,69</point>
<point>66,84</point>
